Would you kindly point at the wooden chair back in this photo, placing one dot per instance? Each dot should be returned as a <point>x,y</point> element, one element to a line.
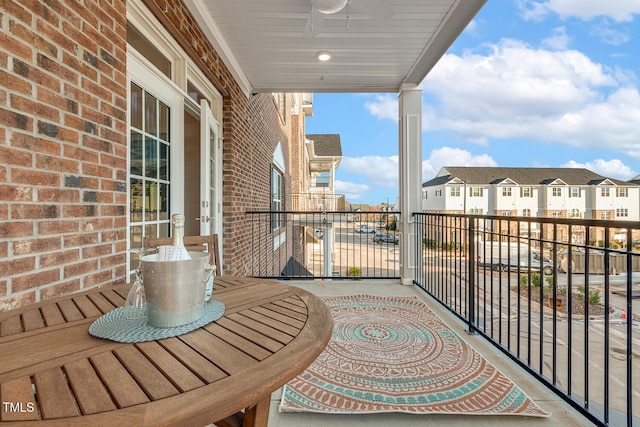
<point>193,243</point>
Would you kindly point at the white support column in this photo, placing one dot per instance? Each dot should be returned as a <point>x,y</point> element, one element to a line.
<point>328,250</point>
<point>410,170</point>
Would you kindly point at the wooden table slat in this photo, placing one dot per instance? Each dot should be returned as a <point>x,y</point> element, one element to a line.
<point>293,304</point>
<point>246,346</point>
<point>113,297</point>
<point>261,327</point>
<point>277,315</point>
<point>86,306</point>
<point>274,323</point>
<point>152,381</point>
<point>19,394</point>
<point>11,326</point>
<point>90,392</point>
<point>54,396</point>
<point>52,315</point>
<point>70,311</point>
<point>250,334</point>
<point>202,367</point>
<point>103,304</point>
<point>226,357</point>
<point>170,366</point>
<point>32,319</point>
<point>123,388</point>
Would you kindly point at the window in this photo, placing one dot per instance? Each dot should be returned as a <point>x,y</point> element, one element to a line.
<point>276,198</point>
<point>506,213</point>
<point>526,192</point>
<point>556,192</point>
<point>605,215</point>
<point>622,213</point>
<point>438,193</point>
<point>506,191</point>
<point>475,211</point>
<point>622,192</point>
<point>604,192</point>
<point>455,191</point>
<point>575,192</point>
<point>556,214</point>
<point>574,213</point>
<point>526,212</point>
<point>475,192</point>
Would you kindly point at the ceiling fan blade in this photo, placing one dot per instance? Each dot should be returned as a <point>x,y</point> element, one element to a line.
<point>314,23</point>
<point>374,8</point>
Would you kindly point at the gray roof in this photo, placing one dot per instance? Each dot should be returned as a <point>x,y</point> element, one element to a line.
<point>326,145</point>
<point>521,176</point>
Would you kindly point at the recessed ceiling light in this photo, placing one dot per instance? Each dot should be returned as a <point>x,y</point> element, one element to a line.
<point>324,56</point>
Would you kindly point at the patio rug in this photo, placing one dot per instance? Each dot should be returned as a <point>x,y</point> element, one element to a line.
<point>393,354</point>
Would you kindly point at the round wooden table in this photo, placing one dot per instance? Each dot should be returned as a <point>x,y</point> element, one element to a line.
<point>52,370</point>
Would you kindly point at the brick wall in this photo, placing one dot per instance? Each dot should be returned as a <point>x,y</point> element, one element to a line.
<point>62,147</point>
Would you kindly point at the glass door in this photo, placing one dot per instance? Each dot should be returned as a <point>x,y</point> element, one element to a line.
<point>210,203</point>
<point>155,154</point>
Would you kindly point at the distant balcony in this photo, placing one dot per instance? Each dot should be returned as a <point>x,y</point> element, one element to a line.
<point>317,201</point>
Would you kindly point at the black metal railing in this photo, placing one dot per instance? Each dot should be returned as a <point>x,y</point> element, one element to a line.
<point>332,244</point>
<point>555,295</point>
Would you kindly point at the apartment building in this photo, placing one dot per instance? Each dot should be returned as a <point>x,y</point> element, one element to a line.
<point>532,192</point>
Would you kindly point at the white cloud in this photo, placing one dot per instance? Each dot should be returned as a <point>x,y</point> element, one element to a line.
<point>380,171</point>
<point>613,168</point>
<point>608,35</point>
<point>559,40</point>
<point>384,107</point>
<point>516,91</point>
<point>447,156</point>
<point>351,190</point>
<point>619,11</point>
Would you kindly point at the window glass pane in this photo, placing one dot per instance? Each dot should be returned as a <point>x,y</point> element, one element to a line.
<point>163,206</point>
<point>163,117</point>
<point>163,172</point>
<point>136,107</point>
<point>151,200</point>
<point>151,114</point>
<point>148,50</point>
<point>151,158</point>
<point>135,167</point>
<point>136,200</point>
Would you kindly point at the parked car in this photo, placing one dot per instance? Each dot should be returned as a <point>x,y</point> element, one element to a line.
<point>385,238</point>
<point>365,229</point>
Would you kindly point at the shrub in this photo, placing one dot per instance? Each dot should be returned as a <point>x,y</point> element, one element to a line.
<point>354,271</point>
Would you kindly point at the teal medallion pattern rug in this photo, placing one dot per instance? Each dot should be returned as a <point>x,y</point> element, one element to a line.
<point>393,354</point>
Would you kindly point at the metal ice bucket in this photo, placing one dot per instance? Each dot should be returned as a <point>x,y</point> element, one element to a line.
<point>175,290</point>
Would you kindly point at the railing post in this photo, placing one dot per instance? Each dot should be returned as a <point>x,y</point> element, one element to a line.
<point>471,277</point>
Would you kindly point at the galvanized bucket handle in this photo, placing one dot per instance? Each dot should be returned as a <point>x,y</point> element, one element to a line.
<point>209,269</point>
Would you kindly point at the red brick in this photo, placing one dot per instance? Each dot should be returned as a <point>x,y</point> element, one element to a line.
<point>16,193</point>
<point>34,211</point>
<point>80,268</point>
<point>16,229</point>
<point>36,144</point>
<point>56,195</point>
<point>65,288</point>
<point>81,240</point>
<point>23,247</point>
<point>17,266</point>
<point>35,177</point>
<point>12,156</point>
<point>97,251</point>
<point>105,276</point>
<point>57,226</point>
<point>30,281</point>
<point>17,301</point>
<point>60,164</point>
<point>50,259</point>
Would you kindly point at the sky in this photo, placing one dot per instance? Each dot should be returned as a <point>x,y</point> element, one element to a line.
<point>529,83</point>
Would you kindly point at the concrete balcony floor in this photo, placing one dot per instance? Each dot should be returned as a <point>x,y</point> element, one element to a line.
<point>562,413</point>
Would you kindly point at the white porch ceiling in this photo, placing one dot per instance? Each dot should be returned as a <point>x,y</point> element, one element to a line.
<point>265,44</point>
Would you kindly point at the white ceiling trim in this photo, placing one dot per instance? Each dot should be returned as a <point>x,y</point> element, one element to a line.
<point>215,37</point>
